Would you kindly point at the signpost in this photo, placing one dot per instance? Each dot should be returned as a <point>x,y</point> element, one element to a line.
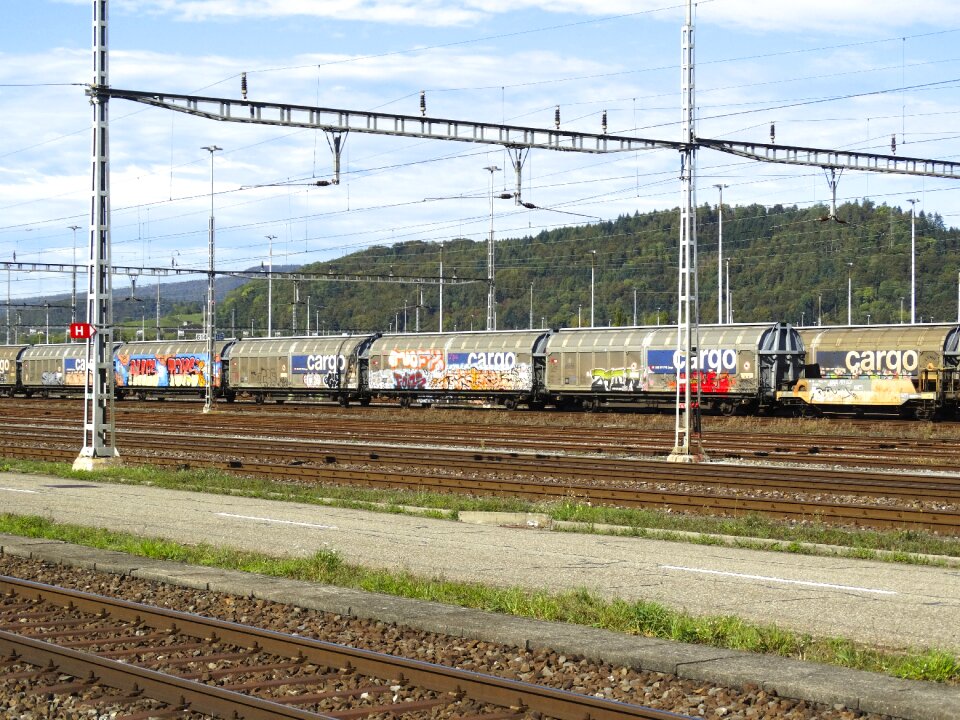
<point>81,331</point>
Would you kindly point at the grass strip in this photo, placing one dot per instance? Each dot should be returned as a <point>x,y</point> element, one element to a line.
<point>580,606</point>
<point>903,546</point>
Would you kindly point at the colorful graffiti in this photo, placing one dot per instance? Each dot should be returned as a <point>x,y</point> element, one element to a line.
<point>881,391</point>
<point>431,360</point>
<point>184,370</point>
<point>709,382</point>
<point>618,380</point>
<point>463,371</point>
<point>73,374</point>
<point>714,370</point>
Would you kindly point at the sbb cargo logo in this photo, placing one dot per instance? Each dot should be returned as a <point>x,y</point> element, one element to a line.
<point>670,361</point>
<point>502,361</point>
<point>869,362</point>
<point>309,364</point>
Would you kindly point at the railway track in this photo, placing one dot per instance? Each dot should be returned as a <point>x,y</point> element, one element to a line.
<point>511,431</point>
<point>349,451</point>
<point>89,652</point>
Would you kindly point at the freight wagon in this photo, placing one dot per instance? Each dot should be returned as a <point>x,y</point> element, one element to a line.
<point>324,367</point>
<point>737,368</point>
<point>499,367</point>
<point>910,370</point>
<point>54,369</point>
<point>157,368</point>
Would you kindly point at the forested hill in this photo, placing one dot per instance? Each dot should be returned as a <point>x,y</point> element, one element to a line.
<point>785,263</point>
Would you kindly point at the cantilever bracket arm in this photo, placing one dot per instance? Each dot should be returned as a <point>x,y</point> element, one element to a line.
<point>837,159</point>
<point>339,120</point>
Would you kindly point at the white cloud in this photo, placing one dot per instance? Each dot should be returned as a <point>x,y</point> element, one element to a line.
<point>827,16</point>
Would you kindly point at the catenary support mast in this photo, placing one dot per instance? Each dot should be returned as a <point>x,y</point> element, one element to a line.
<point>687,446</point>
<point>99,437</point>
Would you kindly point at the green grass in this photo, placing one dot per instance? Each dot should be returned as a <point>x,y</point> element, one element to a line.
<point>578,606</point>
<point>751,531</point>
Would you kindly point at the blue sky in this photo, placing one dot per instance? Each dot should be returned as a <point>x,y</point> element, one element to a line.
<point>491,61</point>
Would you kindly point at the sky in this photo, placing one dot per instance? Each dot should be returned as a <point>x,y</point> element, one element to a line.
<point>845,75</point>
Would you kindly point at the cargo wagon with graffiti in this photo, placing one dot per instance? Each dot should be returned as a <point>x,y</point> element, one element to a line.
<point>908,369</point>
<point>156,368</point>
<point>736,368</point>
<point>495,366</point>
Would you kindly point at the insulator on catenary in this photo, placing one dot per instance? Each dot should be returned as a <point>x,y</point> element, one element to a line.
<point>773,133</point>
<point>243,85</point>
<point>893,144</point>
<point>556,117</point>
<point>603,122</point>
<point>423,103</point>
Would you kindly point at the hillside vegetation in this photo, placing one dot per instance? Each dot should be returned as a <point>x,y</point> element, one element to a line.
<point>785,264</point>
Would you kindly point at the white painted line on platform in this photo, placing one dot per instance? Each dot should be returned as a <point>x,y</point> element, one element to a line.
<point>279,522</point>
<point>765,578</point>
<point>32,492</point>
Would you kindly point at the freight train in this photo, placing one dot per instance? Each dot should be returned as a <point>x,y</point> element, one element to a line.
<point>909,370</point>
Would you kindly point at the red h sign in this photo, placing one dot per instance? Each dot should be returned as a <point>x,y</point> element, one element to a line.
<point>81,331</point>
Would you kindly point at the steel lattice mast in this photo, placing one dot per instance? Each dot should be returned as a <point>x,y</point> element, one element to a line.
<point>687,438</point>
<point>99,437</point>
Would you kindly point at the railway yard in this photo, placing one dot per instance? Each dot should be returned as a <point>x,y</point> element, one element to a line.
<point>869,475</point>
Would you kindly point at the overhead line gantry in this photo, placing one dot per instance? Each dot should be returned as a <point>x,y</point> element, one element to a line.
<point>339,120</point>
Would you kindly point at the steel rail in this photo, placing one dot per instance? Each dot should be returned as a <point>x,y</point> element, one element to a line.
<point>701,503</point>
<point>164,688</point>
<point>551,702</point>
<point>837,450</point>
<point>941,487</point>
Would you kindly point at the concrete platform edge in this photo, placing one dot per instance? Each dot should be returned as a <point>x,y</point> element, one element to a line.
<point>869,692</point>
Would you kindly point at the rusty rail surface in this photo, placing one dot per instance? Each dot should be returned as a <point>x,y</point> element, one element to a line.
<point>866,515</point>
<point>354,452</point>
<point>317,422</point>
<point>174,659</point>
